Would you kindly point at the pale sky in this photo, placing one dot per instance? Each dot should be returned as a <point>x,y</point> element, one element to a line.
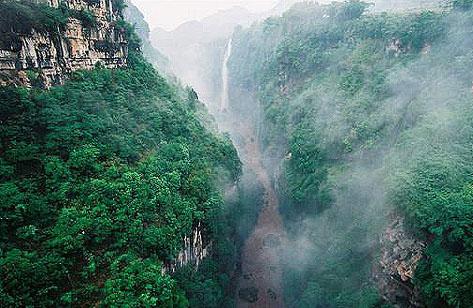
<point>169,14</point>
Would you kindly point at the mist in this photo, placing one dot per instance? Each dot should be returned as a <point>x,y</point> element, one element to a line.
<point>236,153</point>
<point>170,14</point>
<point>364,118</point>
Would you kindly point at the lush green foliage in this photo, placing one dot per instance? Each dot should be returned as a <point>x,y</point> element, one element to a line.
<point>434,188</point>
<point>100,181</point>
<point>374,111</point>
<point>23,16</point>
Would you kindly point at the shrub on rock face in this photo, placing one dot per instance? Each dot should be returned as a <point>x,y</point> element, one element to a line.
<point>462,4</point>
<point>21,17</point>
<point>24,16</point>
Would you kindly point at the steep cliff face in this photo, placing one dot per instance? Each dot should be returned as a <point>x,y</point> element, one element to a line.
<point>133,15</point>
<point>195,250</point>
<point>77,45</point>
<point>400,255</point>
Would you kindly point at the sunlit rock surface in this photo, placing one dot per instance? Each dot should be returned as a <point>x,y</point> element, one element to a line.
<point>54,55</point>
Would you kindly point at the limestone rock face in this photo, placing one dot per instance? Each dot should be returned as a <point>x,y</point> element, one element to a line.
<point>195,250</point>
<point>54,55</point>
<point>400,255</point>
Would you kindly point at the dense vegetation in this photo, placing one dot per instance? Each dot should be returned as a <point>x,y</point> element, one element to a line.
<point>373,114</point>
<point>23,16</point>
<point>101,179</point>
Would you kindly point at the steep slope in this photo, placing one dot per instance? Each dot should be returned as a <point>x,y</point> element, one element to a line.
<point>366,123</point>
<point>111,191</point>
<point>133,15</point>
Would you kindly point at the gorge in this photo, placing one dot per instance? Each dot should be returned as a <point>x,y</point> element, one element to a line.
<point>260,274</point>
<point>329,94</point>
<point>314,155</point>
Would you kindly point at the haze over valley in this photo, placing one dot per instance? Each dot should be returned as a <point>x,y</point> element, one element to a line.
<point>236,153</point>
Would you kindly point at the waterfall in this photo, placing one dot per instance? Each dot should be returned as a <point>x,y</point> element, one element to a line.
<point>225,97</point>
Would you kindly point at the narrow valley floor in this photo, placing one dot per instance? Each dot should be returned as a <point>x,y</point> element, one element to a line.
<point>260,284</point>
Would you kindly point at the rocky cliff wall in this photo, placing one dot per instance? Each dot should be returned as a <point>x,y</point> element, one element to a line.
<point>195,250</point>
<point>54,54</point>
<point>400,255</point>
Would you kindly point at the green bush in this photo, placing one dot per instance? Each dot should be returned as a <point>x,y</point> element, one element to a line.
<point>21,17</point>
<point>24,16</point>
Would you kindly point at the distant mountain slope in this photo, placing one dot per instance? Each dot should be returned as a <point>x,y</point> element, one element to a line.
<point>133,15</point>
<point>195,48</point>
<point>389,5</point>
<point>379,5</point>
<point>217,26</point>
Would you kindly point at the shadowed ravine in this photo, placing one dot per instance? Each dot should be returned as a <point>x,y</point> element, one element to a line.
<point>260,281</point>
<point>261,272</point>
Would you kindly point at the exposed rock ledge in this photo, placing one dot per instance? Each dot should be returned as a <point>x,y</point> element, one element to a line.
<point>194,251</point>
<point>400,255</point>
<point>52,56</point>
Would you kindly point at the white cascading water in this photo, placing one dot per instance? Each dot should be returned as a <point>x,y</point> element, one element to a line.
<point>225,96</point>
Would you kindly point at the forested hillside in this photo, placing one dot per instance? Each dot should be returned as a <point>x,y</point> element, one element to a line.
<point>354,127</point>
<point>101,180</point>
<point>369,120</point>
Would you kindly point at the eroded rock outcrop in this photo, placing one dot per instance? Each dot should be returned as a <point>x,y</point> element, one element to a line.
<point>400,255</point>
<point>194,251</point>
<point>51,55</point>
